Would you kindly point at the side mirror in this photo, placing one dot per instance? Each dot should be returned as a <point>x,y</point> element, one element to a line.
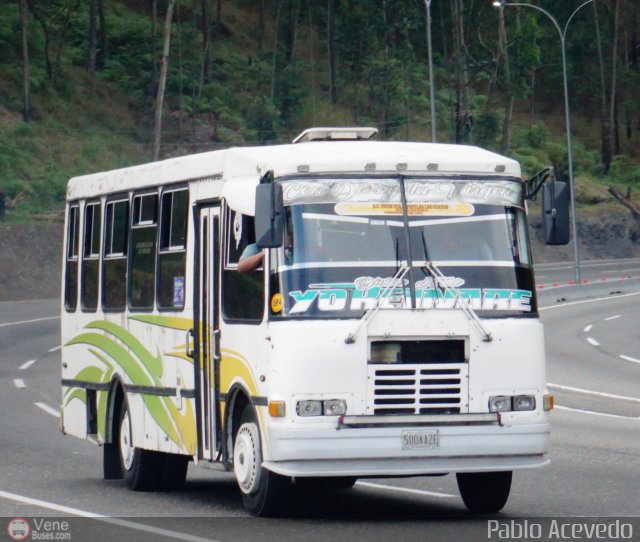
<point>269,220</point>
<point>555,213</point>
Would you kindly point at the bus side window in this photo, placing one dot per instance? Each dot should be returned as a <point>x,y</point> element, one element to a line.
<point>114,264</point>
<point>173,246</point>
<point>144,230</point>
<point>71,267</point>
<point>90,257</point>
<point>242,293</point>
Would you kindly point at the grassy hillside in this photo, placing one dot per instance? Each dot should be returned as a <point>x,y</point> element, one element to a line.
<point>84,122</point>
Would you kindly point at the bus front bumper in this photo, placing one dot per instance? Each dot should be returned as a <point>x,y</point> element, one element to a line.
<point>378,451</point>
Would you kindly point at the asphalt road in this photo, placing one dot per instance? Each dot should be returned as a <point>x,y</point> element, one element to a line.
<point>593,349</point>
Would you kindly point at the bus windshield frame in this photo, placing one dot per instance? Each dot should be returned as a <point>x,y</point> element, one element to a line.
<point>346,238</point>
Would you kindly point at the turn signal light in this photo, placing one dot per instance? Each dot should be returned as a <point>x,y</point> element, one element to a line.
<point>277,409</point>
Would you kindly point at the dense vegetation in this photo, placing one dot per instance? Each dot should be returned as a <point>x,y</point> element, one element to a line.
<point>79,82</point>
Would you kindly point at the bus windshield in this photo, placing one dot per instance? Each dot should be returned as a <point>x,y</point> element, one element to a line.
<point>341,254</point>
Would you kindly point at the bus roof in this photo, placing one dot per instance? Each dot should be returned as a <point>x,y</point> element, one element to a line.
<point>240,168</point>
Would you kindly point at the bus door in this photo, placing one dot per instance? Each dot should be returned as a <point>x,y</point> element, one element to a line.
<point>207,330</point>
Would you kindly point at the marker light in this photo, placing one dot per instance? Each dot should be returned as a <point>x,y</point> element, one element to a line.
<point>548,403</point>
<point>499,403</point>
<point>524,402</point>
<point>309,408</point>
<point>335,407</point>
<point>277,409</point>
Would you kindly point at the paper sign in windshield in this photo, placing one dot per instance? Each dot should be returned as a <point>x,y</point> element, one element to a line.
<point>395,209</point>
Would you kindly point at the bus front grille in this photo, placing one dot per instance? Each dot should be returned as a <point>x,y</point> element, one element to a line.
<point>440,388</point>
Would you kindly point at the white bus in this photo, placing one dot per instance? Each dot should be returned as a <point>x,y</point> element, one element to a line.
<point>391,329</point>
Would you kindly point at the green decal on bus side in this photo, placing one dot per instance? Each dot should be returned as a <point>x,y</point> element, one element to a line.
<point>160,408</point>
<point>172,322</point>
<point>151,363</point>
<point>75,393</point>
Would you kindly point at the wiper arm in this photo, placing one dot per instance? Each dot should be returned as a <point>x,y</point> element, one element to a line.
<point>440,280</point>
<point>371,311</point>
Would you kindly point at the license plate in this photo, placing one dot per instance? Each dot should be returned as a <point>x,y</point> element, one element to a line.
<point>420,440</point>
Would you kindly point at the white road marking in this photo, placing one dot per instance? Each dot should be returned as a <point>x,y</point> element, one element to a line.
<point>558,265</point>
<point>55,348</point>
<point>48,409</point>
<point>593,413</point>
<point>628,358</point>
<point>19,383</point>
<point>27,364</point>
<point>99,517</point>
<point>613,317</point>
<point>608,298</point>
<point>595,393</point>
<point>29,321</point>
<point>592,341</point>
<point>587,329</point>
<point>406,490</point>
<point>622,270</point>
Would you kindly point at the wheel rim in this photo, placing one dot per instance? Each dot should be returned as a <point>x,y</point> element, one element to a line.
<point>126,449</point>
<point>246,458</point>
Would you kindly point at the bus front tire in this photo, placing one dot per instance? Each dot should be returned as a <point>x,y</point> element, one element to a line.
<point>484,492</point>
<point>262,490</point>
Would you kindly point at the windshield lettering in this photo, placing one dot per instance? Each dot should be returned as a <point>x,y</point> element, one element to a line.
<point>341,297</point>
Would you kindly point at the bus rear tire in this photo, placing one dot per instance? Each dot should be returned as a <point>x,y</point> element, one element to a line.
<point>140,468</point>
<point>262,491</point>
<point>111,465</point>
<point>484,492</point>
<point>333,482</point>
<point>173,471</point>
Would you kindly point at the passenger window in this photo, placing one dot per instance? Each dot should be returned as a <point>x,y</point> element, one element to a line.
<point>91,257</point>
<point>242,293</point>
<point>144,233</point>
<point>173,244</point>
<point>114,266</point>
<point>71,267</point>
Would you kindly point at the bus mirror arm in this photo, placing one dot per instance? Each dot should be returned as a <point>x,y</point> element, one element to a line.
<point>534,183</point>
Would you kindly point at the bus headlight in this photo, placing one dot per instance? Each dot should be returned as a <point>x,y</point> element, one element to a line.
<point>506,403</point>
<point>328,407</point>
<point>499,403</point>
<point>524,402</point>
<point>335,407</point>
<point>309,408</point>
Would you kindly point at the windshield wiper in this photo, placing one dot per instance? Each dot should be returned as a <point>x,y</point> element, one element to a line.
<point>371,311</point>
<point>441,281</point>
